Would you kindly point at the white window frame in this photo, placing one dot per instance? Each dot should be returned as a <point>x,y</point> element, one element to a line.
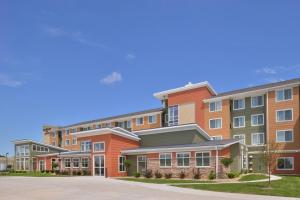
<point>217,136</point>
<point>82,162</point>
<point>102,142</point>
<point>204,166</point>
<point>184,166</point>
<point>263,116</point>
<point>85,149</point>
<point>239,122</point>
<point>67,143</point>
<point>252,135</point>
<point>239,135</point>
<point>174,123</point>
<point>263,101</point>
<point>293,161</point>
<point>238,108</point>
<point>215,102</point>
<point>119,164</point>
<point>284,110</point>
<point>154,117</point>
<point>44,165</point>
<point>165,160</point>
<point>285,141</point>
<point>136,121</point>
<point>276,100</point>
<point>215,119</point>
<point>73,141</point>
<point>73,163</point>
<point>64,162</point>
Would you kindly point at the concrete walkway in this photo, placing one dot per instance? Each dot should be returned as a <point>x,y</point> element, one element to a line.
<point>95,188</point>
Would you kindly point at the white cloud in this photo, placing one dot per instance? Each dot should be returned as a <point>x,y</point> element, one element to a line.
<point>130,57</point>
<point>74,35</point>
<point>273,80</point>
<point>5,80</point>
<point>111,78</point>
<point>267,70</point>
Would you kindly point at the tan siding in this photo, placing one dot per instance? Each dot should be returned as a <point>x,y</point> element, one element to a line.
<point>186,113</point>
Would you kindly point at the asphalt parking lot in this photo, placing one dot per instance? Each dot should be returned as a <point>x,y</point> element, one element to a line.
<point>92,188</point>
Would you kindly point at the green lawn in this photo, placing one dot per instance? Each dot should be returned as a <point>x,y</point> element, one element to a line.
<point>34,174</point>
<point>252,177</point>
<point>288,186</point>
<point>162,180</point>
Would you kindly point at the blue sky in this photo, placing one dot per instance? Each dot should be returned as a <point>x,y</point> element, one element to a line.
<point>67,61</point>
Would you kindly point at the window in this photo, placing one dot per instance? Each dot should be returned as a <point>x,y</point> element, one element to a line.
<point>139,121</point>
<point>284,136</point>
<point>75,162</point>
<point>67,162</point>
<point>121,163</point>
<point>257,120</point>
<point>128,124</point>
<point>99,147</point>
<point>74,141</point>
<point>216,137</point>
<point>22,150</point>
<point>42,165</point>
<point>284,115</point>
<point>85,146</point>
<point>284,95</point>
<point>165,159</point>
<point>141,164</point>
<point>238,104</point>
<point>258,138</point>
<point>98,126</point>
<point>152,119</point>
<point>67,131</point>
<point>215,106</point>
<point>215,123</point>
<point>239,122</point>
<point>22,164</point>
<point>33,147</point>
<point>257,101</point>
<point>46,149</point>
<point>38,148</point>
<point>73,130</point>
<point>240,137</point>
<point>203,159</point>
<point>42,149</point>
<point>285,163</point>
<point>84,162</point>
<point>173,115</point>
<point>183,159</point>
<point>53,134</point>
<point>67,142</point>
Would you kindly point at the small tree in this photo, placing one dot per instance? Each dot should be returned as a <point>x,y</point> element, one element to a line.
<point>54,165</point>
<point>127,164</point>
<point>226,162</point>
<point>268,157</point>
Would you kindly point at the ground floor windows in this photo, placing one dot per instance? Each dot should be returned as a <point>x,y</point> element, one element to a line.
<point>258,138</point>
<point>67,162</point>
<point>284,136</point>
<point>99,165</point>
<point>84,162</point>
<point>142,164</point>
<point>75,162</point>
<point>183,159</point>
<point>42,165</point>
<point>285,163</point>
<point>202,159</point>
<point>22,164</point>
<point>165,159</point>
<point>121,163</point>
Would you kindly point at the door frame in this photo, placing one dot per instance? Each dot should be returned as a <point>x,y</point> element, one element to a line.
<point>100,154</point>
<point>137,162</point>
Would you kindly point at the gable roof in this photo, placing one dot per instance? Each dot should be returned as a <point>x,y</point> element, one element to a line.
<point>262,88</point>
<point>102,131</point>
<point>189,86</point>
<point>171,129</point>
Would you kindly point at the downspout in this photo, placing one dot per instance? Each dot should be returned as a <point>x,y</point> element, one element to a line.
<point>217,162</point>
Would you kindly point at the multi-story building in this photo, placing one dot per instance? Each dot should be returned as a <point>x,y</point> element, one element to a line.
<point>194,130</point>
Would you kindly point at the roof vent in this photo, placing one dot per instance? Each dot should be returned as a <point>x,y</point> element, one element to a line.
<point>189,84</point>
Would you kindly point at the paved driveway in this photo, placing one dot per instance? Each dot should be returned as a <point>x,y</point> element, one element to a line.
<point>94,188</point>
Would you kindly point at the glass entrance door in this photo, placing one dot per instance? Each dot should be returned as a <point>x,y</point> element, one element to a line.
<point>99,165</point>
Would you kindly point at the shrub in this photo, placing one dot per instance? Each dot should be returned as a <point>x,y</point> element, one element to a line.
<point>47,171</point>
<point>127,164</point>
<point>78,173</point>
<point>168,175</point>
<point>212,175</point>
<point>57,172</point>
<point>42,171</point>
<point>148,174</point>
<point>226,161</point>
<point>65,173</point>
<point>137,174</point>
<point>85,172</point>
<point>158,174</point>
<point>197,174</point>
<point>182,175</point>
<point>244,171</point>
<point>233,174</point>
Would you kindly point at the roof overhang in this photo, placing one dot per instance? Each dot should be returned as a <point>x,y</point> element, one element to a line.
<point>255,92</point>
<point>25,141</point>
<point>103,131</point>
<point>164,94</point>
<point>174,129</point>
